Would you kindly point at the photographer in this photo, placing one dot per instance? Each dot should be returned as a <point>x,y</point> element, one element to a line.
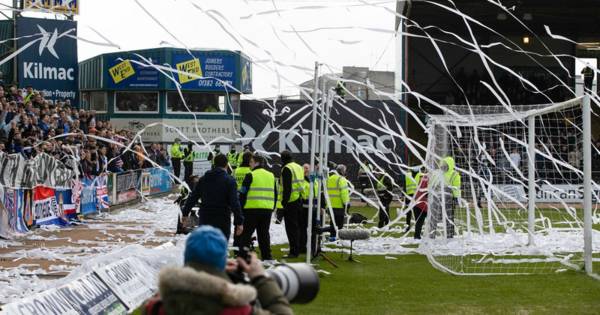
<point>202,286</point>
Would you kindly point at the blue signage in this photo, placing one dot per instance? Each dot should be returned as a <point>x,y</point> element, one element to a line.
<point>218,71</point>
<point>88,197</point>
<point>47,59</point>
<point>160,181</point>
<point>128,72</point>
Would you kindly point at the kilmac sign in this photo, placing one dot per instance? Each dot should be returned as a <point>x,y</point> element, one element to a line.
<point>360,129</point>
<point>48,57</point>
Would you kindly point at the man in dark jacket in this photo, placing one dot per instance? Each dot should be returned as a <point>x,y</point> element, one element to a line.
<point>218,196</point>
<point>203,287</point>
<point>292,184</point>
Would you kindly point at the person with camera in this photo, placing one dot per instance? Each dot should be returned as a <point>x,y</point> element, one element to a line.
<point>258,197</point>
<point>217,192</point>
<point>203,285</point>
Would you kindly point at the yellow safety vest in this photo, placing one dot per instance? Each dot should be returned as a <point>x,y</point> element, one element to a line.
<point>306,189</point>
<point>240,174</point>
<point>189,157</point>
<point>297,180</point>
<point>380,184</point>
<point>338,191</point>
<point>280,194</point>
<point>410,183</point>
<point>176,151</point>
<point>232,158</point>
<point>261,194</point>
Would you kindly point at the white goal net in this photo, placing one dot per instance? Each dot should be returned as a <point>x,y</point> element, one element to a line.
<point>501,209</point>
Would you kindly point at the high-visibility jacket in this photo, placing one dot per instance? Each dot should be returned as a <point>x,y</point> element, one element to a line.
<point>381,184</point>
<point>306,192</point>
<point>261,194</point>
<point>233,159</point>
<point>338,190</point>
<point>240,157</point>
<point>297,180</point>
<point>452,177</point>
<point>306,189</point>
<point>280,194</point>
<point>418,178</point>
<point>410,183</point>
<point>240,174</point>
<point>176,152</point>
<point>189,157</point>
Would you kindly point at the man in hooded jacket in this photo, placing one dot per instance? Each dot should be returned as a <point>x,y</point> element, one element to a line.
<point>202,286</point>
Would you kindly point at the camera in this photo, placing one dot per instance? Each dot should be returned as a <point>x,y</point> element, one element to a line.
<point>298,281</point>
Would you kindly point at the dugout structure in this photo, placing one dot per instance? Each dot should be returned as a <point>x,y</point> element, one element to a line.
<point>525,204</point>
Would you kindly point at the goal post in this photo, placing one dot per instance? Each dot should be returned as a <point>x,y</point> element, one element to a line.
<point>523,202</point>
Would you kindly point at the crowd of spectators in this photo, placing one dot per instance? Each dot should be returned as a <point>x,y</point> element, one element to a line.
<point>31,124</point>
<point>517,90</point>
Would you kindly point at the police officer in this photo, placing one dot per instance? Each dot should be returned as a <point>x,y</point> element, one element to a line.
<point>188,162</point>
<point>243,169</point>
<point>218,196</point>
<point>176,156</point>
<point>291,182</point>
<point>232,157</point>
<point>338,191</point>
<point>258,197</point>
<point>384,193</point>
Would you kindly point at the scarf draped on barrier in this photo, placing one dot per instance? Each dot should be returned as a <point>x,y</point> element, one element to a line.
<point>46,191</point>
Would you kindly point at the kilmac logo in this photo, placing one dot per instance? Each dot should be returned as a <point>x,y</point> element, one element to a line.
<point>37,70</point>
<point>298,140</point>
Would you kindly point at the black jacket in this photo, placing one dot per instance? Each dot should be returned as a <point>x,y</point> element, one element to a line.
<point>217,192</point>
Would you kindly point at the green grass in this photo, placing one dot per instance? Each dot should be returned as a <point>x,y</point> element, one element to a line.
<point>410,285</point>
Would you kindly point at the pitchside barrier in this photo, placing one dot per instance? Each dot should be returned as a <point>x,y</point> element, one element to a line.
<point>114,288</point>
<point>44,191</point>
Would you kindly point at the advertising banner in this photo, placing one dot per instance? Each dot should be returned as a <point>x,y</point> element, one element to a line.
<point>13,203</point>
<point>48,58</point>
<point>210,129</point>
<point>359,130</point>
<point>64,197</point>
<point>129,279</point>
<point>218,71</point>
<point>45,207</point>
<point>102,192</point>
<point>145,184</point>
<point>28,217</point>
<point>546,193</point>
<point>160,180</point>
<point>127,186</point>
<point>67,7</point>
<point>124,73</point>
<point>88,197</point>
<point>86,295</point>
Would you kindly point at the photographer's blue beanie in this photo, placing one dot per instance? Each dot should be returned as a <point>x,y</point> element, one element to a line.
<point>206,245</point>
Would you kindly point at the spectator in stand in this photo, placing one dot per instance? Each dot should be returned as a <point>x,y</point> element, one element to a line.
<point>515,158</point>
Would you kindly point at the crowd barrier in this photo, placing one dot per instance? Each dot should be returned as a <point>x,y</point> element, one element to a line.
<point>44,191</point>
<point>111,285</point>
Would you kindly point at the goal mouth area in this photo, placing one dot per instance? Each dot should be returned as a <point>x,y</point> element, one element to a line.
<point>489,115</point>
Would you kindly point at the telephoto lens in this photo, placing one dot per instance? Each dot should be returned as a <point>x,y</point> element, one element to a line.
<point>298,281</point>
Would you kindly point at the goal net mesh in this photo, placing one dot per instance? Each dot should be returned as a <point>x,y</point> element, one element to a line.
<point>479,223</point>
